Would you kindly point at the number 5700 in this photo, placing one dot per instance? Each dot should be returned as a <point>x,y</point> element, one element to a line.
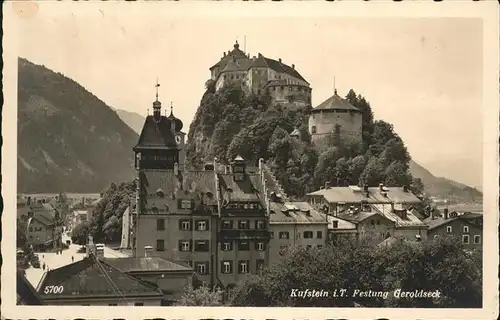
<point>53,289</point>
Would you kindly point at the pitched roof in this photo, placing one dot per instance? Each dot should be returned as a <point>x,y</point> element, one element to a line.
<point>341,223</point>
<point>354,194</point>
<point>335,102</point>
<point>140,264</point>
<point>296,213</point>
<point>277,66</point>
<point>236,52</point>
<point>240,64</point>
<point>26,293</point>
<point>359,216</point>
<point>249,189</point>
<point>295,132</point>
<point>85,278</point>
<point>408,220</point>
<point>156,134</point>
<point>170,183</point>
<point>441,221</point>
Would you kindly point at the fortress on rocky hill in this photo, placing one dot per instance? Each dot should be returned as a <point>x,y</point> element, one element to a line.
<point>334,118</point>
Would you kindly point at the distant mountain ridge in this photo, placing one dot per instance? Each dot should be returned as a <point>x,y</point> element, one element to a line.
<point>68,139</point>
<point>434,186</point>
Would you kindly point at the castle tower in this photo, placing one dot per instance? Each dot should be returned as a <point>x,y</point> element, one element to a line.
<point>335,119</point>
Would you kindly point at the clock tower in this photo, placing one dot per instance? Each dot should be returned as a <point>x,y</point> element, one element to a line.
<point>161,143</point>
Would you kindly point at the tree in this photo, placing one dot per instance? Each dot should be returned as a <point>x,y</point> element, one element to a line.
<point>397,175</point>
<point>201,296</point>
<point>373,173</point>
<point>80,233</point>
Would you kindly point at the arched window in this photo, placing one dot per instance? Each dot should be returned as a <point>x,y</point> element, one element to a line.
<point>313,129</point>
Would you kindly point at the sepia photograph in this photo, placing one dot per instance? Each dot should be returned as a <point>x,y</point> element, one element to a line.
<point>198,155</point>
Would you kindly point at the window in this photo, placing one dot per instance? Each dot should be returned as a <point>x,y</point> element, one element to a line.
<point>465,239</point>
<point>239,177</point>
<point>227,246</point>
<point>372,222</point>
<point>284,235</point>
<point>184,224</point>
<point>260,265</point>
<point>260,246</point>
<point>202,225</point>
<point>335,224</point>
<point>448,229</point>
<point>184,245</point>
<point>477,239</point>
<point>201,245</point>
<point>243,224</point>
<point>243,266</point>
<point>160,245</point>
<point>271,235</point>
<point>239,169</point>
<point>313,129</point>
<point>201,267</point>
<point>227,266</point>
<point>227,224</point>
<point>466,229</point>
<point>259,224</point>
<point>243,246</point>
<point>185,204</point>
<point>319,234</point>
<point>160,224</point>
<point>308,234</point>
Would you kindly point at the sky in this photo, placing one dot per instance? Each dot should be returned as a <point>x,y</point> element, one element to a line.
<point>423,75</point>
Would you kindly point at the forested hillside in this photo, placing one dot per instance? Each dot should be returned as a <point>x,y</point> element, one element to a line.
<point>68,139</point>
<point>228,123</point>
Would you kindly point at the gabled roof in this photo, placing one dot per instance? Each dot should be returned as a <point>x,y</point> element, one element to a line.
<point>261,62</point>
<point>296,213</point>
<point>241,64</point>
<point>441,221</point>
<point>142,264</point>
<point>350,195</point>
<point>26,293</point>
<point>409,219</point>
<point>360,216</point>
<point>236,53</point>
<point>249,190</point>
<point>341,223</point>
<point>85,278</point>
<point>335,102</point>
<point>156,134</point>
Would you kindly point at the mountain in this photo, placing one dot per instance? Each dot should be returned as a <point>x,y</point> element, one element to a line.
<point>132,119</point>
<point>442,187</point>
<point>68,139</point>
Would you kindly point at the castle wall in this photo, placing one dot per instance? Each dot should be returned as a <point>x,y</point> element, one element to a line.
<point>322,125</point>
<point>273,75</point>
<point>258,77</point>
<point>230,77</point>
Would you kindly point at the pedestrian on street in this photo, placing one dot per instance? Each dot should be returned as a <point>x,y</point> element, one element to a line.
<point>44,266</point>
<point>72,259</point>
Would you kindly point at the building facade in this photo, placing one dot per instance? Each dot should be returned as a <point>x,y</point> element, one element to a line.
<point>261,75</point>
<point>215,221</point>
<point>468,228</point>
<point>382,211</point>
<point>335,120</point>
<point>294,224</point>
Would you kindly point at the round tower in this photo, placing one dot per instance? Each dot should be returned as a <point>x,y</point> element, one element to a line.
<point>335,119</point>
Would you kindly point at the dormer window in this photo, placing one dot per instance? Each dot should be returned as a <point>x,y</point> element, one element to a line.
<point>160,193</point>
<point>186,204</point>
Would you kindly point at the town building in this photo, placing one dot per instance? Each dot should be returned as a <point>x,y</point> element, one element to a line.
<point>335,120</point>
<point>259,75</point>
<point>375,206</point>
<point>92,282</point>
<point>340,230</point>
<point>215,220</point>
<point>40,222</point>
<point>170,277</point>
<point>468,227</point>
<point>294,224</point>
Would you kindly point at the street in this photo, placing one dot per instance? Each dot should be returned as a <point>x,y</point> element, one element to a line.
<point>54,261</point>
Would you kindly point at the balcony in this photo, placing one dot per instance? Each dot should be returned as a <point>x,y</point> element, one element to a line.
<point>243,235</point>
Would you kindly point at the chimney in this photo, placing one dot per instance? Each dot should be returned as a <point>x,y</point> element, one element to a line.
<point>445,213</point>
<point>321,188</point>
<point>432,215</point>
<point>327,185</point>
<point>405,188</point>
<point>384,194</point>
<point>365,188</point>
<point>381,187</point>
<point>224,54</point>
<point>308,213</point>
<point>293,66</point>
<point>260,55</point>
<point>28,201</point>
<point>279,60</point>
